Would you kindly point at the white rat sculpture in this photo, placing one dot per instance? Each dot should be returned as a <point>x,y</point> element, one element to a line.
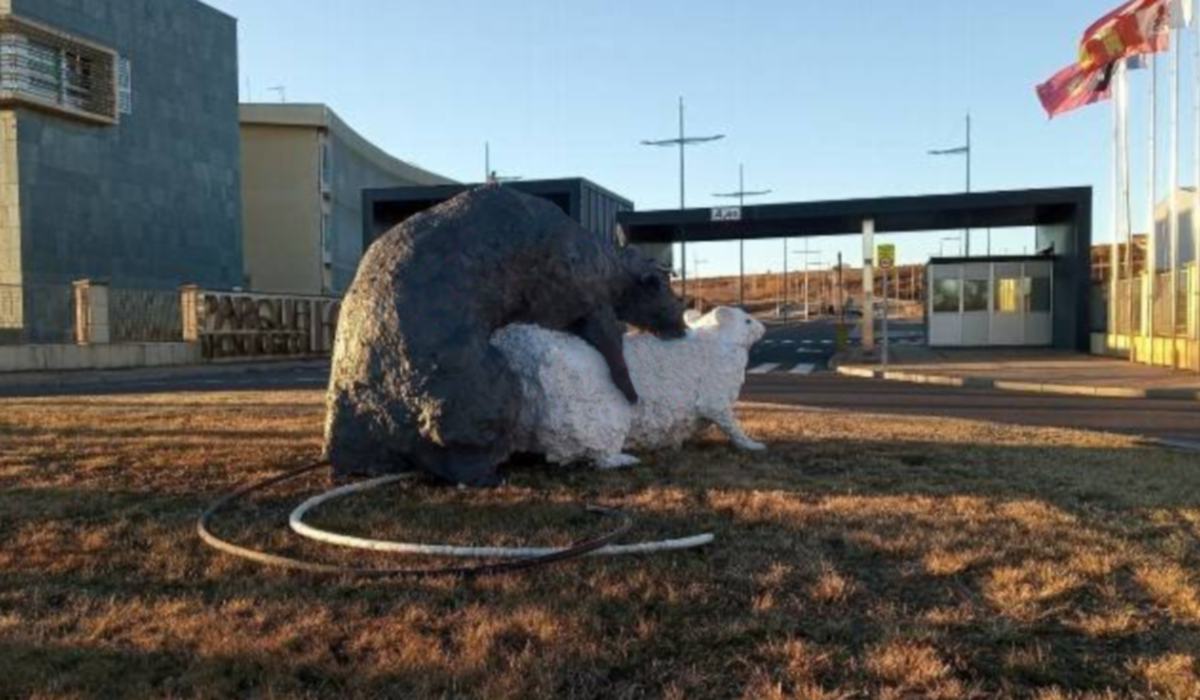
<point>572,412</point>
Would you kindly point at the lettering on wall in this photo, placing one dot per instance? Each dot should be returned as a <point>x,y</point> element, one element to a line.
<point>236,324</point>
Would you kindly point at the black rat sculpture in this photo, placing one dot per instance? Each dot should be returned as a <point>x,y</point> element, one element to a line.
<point>415,382</point>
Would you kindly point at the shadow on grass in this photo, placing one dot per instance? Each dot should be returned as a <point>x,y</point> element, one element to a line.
<point>1023,567</point>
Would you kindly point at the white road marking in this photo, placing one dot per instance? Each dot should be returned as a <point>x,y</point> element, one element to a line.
<point>809,351</point>
<point>807,341</point>
<point>763,368</point>
<point>826,341</point>
<point>802,368</point>
<point>788,342</point>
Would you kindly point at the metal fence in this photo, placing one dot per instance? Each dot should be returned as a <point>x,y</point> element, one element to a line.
<point>1128,309</point>
<point>144,315</point>
<point>36,313</point>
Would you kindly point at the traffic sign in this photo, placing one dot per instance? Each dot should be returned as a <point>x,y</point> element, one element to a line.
<point>885,255</point>
<point>725,214</point>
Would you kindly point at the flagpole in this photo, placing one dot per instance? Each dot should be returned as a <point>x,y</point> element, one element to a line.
<point>1121,98</point>
<point>1174,200</point>
<point>1196,178</point>
<point>1115,89</point>
<point>1150,268</point>
<point>1126,202</point>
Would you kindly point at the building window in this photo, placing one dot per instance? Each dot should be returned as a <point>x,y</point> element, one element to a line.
<point>124,86</point>
<point>326,239</point>
<point>42,68</point>
<point>326,173</point>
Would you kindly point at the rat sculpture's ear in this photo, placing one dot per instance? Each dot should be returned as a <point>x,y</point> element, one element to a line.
<point>691,317</point>
<point>726,315</point>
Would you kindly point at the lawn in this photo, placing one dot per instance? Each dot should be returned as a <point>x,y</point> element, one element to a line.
<point>861,556</point>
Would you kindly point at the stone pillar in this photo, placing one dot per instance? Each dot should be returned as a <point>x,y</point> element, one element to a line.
<point>189,307</point>
<point>329,319</point>
<point>91,312</point>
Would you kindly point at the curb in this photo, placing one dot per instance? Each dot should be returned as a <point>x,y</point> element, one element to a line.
<point>1111,392</point>
<point>1171,444</point>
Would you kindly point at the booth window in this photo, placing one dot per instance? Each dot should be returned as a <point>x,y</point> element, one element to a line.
<point>975,295</point>
<point>1008,295</point>
<point>946,295</point>
<point>44,69</point>
<point>1037,297</point>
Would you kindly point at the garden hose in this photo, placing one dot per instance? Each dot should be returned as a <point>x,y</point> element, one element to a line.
<point>515,564</point>
<point>296,521</point>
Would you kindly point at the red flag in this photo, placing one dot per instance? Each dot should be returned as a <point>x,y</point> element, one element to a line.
<point>1074,87</point>
<point>1136,27</point>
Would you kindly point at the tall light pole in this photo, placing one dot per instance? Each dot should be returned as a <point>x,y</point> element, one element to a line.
<point>963,151</point>
<point>805,253</point>
<point>683,142</point>
<point>783,293</point>
<point>741,195</point>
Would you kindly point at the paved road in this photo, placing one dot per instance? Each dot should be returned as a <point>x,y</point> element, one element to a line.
<point>804,347</point>
<point>1149,417</point>
<point>1179,420</point>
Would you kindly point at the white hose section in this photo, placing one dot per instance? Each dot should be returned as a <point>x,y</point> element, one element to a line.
<point>296,521</point>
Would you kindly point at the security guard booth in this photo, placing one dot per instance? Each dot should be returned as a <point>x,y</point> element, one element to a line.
<point>994,301</point>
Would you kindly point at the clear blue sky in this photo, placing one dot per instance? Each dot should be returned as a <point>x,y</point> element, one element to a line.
<point>820,100</point>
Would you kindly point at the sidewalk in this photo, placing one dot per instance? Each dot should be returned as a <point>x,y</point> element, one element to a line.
<point>1019,369</point>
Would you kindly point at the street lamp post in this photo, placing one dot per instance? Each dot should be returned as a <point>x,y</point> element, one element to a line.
<point>741,195</point>
<point>682,142</point>
<point>942,245</point>
<point>963,151</point>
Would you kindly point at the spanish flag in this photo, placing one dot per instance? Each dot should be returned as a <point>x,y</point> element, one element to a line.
<point>1136,27</point>
<point>1074,87</point>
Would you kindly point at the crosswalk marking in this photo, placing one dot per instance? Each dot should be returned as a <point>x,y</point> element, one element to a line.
<point>788,342</point>
<point>807,341</point>
<point>763,368</point>
<point>826,341</point>
<point>802,368</point>
<point>809,351</point>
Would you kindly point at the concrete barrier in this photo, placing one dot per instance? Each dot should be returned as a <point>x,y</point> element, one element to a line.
<point>29,358</point>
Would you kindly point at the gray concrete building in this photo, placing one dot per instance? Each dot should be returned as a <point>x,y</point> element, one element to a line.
<point>119,150</point>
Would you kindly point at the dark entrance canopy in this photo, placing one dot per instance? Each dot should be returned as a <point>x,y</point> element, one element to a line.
<point>1062,217</point>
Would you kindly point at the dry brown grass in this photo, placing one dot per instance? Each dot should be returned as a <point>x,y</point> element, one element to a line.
<point>861,556</point>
